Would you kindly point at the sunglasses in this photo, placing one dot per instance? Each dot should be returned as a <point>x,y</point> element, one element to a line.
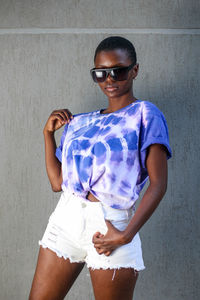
<point>117,73</point>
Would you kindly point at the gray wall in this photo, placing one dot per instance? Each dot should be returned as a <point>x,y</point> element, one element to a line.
<point>45,48</point>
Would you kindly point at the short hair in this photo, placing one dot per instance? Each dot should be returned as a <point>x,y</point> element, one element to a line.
<point>117,42</point>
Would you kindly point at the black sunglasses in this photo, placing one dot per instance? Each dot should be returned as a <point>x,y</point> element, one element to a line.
<point>117,73</point>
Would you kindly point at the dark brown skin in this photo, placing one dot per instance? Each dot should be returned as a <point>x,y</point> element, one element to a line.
<point>156,162</point>
<point>56,120</point>
<point>54,276</point>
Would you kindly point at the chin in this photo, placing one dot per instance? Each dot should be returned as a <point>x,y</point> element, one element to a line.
<point>112,94</point>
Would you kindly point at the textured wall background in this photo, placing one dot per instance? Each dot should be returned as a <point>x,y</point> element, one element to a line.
<point>46,47</point>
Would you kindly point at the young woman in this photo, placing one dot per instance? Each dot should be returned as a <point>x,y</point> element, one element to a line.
<point>104,159</point>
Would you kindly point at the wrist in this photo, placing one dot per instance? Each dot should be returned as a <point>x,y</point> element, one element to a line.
<point>126,237</point>
<point>122,240</point>
<point>48,132</point>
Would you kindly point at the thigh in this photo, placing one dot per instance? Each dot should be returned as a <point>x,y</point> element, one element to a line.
<point>113,284</point>
<point>53,277</point>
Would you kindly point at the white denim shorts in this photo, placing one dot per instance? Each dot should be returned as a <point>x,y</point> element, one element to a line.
<point>71,228</point>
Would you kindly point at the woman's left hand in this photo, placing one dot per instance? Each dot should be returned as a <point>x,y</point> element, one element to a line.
<point>105,244</point>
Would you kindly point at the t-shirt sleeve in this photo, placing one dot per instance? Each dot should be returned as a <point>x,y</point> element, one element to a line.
<point>154,130</point>
<point>59,149</point>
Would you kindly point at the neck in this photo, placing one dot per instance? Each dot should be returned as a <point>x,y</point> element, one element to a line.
<point>119,102</point>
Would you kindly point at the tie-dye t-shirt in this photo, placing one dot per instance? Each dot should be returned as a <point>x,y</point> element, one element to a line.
<point>105,153</point>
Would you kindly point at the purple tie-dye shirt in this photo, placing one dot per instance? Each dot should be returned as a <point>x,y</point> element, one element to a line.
<point>105,153</point>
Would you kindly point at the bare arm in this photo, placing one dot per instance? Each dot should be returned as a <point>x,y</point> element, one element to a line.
<point>56,120</point>
<point>157,169</point>
<point>156,163</point>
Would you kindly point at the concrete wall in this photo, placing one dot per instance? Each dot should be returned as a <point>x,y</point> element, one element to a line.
<point>45,48</point>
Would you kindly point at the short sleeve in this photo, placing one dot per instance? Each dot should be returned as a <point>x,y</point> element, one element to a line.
<point>59,149</point>
<point>154,130</point>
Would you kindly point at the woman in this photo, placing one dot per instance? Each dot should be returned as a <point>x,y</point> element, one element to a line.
<point>104,159</point>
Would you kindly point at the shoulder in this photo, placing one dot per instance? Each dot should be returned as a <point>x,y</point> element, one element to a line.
<point>152,116</point>
<point>149,108</point>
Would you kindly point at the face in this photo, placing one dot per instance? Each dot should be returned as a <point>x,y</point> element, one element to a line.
<point>111,59</point>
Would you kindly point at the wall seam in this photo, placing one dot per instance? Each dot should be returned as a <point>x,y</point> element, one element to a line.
<point>33,30</point>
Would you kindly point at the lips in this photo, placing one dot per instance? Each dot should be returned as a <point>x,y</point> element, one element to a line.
<point>111,88</point>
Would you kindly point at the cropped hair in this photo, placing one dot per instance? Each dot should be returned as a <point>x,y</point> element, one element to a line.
<point>117,42</point>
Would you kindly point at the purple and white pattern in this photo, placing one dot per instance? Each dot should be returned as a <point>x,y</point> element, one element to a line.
<point>105,153</point>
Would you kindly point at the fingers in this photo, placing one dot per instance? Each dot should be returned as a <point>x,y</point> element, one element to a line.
<point>57,119</point>
<point>97,238</point>
<point>100,251</point>
<point>103,251</point>
<point>63,115</point>
<point>107,253</point>
<point>100,245</point>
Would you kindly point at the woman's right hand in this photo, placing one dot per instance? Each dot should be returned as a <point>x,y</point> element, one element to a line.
<point>57,119</point>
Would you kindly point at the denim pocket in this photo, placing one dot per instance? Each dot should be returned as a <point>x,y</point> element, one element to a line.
<point>116,215</point>
<point>121,224</point>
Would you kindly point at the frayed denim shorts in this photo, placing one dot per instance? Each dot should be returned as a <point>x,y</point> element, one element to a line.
<point>71,228</point>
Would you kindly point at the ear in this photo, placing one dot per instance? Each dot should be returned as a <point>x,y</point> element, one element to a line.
<point>135,70</point>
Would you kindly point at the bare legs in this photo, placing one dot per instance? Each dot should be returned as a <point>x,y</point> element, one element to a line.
<point>121,287</point>
<point>54,277</point>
